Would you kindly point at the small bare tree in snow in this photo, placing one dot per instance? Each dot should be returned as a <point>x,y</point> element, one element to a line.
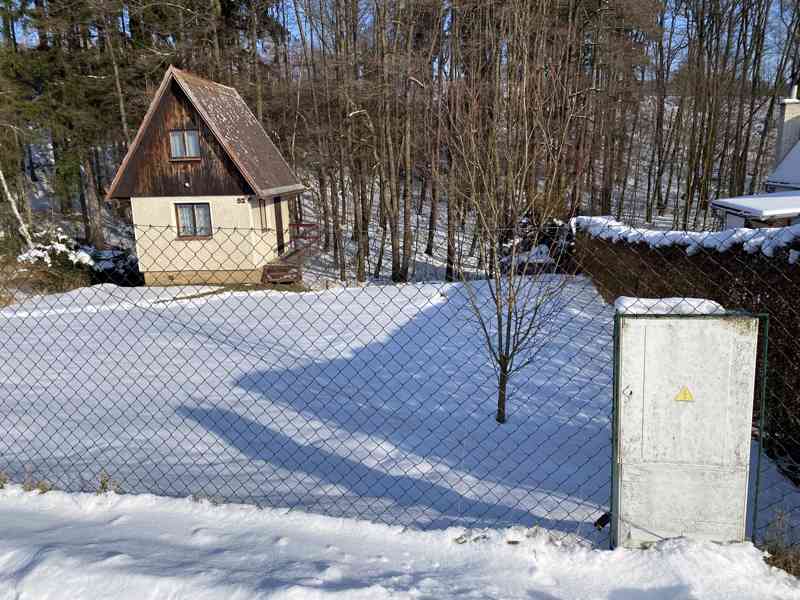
<point>511,131</point>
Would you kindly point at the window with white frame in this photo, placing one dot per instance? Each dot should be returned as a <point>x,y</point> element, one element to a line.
<point>193,219</point>
<point>184,144</point>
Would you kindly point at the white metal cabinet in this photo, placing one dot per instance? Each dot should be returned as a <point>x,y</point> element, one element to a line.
<point>683,414</point>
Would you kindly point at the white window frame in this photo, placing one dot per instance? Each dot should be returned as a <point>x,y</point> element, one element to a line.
<point>185,145</point>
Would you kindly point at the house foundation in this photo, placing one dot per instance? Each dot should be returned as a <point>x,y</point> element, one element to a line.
<point>167,278</point>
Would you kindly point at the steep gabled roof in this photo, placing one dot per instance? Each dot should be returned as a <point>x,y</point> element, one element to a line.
<point>787,173</point>
<point>234,126</point>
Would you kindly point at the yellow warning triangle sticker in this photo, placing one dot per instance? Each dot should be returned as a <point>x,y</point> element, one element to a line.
<point>684,395</point>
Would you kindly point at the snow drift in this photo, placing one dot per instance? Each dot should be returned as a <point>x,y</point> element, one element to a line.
<point>86,546</point>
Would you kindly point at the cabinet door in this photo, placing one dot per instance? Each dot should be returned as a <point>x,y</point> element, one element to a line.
<point>684,413</point>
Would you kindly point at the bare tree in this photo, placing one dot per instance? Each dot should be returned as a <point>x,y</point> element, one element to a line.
<point>509,141</point>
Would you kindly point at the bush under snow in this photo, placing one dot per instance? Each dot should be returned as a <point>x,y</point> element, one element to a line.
<point>54,245</point>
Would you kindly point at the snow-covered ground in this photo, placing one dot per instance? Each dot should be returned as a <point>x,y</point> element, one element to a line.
<point>372,403</point>
<point>90,547</point>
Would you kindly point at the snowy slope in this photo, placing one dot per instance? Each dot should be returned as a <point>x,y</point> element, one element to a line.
<point>133,547</point>
<point>320,270</point>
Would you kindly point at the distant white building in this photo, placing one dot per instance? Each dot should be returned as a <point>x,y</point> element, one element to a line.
<point>786,174</point>
<point>780,206</point>
<point>778,209</point>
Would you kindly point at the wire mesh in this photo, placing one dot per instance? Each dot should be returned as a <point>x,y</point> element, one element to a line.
<point>226,367</point>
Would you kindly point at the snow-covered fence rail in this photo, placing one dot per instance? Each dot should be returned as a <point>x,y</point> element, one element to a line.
<point>742,269</point>
<point>769,241</point>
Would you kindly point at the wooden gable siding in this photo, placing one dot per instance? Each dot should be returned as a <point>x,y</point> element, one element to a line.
<point>152,173</point>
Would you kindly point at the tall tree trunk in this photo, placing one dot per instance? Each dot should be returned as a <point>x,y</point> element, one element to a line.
<point>254,12</point>
<point>93,212</point>
<point>434,215</point>
<point>12,200</point>
<point>408,183</point>
<point>326,216</point>
<point>123,117</point>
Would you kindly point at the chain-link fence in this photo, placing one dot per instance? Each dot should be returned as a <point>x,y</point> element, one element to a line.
<point>754,270</point>
<point>227,364</point>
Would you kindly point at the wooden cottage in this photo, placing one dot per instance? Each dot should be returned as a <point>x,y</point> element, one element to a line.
<point>209,191</point>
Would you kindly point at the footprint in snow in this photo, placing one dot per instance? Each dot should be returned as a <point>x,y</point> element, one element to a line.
<point>539,577</point>
<point>332,573</point>
<point>203,536</point>
<point>115,558</point>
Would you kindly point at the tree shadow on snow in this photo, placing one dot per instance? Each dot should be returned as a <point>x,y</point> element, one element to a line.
<point>675,592</point>
<point>421,396</point>
<point>354,479</point>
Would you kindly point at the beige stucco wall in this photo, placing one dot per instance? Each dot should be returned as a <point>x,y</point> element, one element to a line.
<point>238,243</point>
<point>158,247</point>
<point>266,242</point>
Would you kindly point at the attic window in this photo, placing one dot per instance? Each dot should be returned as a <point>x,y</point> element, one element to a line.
<point>184,144</point>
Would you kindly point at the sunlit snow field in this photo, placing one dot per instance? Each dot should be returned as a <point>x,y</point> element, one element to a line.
<point>374,402</point>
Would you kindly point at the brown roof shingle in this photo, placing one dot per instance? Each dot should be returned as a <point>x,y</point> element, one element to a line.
<point>236,128</point>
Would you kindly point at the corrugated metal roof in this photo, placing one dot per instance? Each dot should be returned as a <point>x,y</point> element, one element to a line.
<point>236,128</point>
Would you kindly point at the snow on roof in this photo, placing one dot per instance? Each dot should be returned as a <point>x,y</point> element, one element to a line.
<point>667,306</point>
<point>763,206</point>
<point>788,171</point>
<point>765,239</point>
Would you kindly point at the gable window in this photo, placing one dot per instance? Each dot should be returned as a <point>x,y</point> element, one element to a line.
<point>194,220</point>
<point>184,143</point>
